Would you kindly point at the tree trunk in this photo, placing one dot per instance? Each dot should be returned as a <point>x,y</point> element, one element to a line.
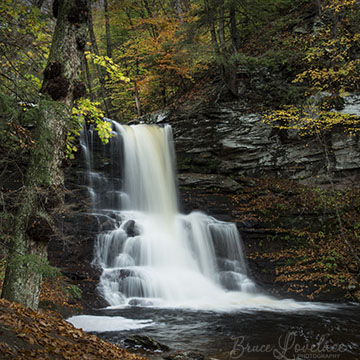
<point>39,3</point>
<point>151,28</point>
<point>222,28</point>
<point>44,178</point>
<point>100,71</point>
<point>136,91</point>
<point>88,78</point>
<point>335,25</point>
<point>107,30</point>
<point>235,39</point>
<point>211,22</point>
<point>176,5</point>
<point>227,70</point>
<point>137,99</point>
<point>317,4</point>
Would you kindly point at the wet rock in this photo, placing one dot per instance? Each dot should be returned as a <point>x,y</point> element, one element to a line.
<point>106,223</point>
<point>124,273</point>
<point>107,226</point>
<point>209,181</point>
<point>76,275</point>
<point>154,118</point>
<point>224,140</point>
<point>131,229</point>
<point>145,342</point>
<point>185,355</point>
<point>140,302</point>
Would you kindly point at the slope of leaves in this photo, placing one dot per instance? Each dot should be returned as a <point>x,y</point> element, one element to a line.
<point>303,240</point>
<point>26,334</point>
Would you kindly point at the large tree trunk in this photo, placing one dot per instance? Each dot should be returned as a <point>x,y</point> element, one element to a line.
<point>44,179</point>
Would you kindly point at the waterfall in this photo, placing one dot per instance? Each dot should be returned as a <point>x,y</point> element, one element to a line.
<point>156,255</point>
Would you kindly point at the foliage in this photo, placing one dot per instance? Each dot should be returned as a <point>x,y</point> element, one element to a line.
<point>73,291</point>
<point>86,111</point>
<point>155,49</point>
<point>111,68</point>
<point>311,120</point>
<point>332,68</point>
<point>330,64</point>
<point>339,5</point>
<point>24,44</point>
<point>14,124</point>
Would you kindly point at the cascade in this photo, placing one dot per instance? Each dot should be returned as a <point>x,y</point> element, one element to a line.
<point>154,255</point>
<point>159,265</point>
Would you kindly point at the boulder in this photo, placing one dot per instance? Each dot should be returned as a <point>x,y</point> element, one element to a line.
<point>185,355</point>
<point>145,342</point>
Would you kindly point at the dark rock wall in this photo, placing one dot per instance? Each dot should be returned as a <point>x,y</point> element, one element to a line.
<point>224,139</point>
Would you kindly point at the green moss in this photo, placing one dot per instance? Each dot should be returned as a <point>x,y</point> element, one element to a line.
<point>73,291</point>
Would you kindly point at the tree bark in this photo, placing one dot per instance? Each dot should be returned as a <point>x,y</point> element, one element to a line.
<point>176,5</point>
<point>179,7</point>
<point>100,72</point>
<point>317,4</point>
<point>222,27</point>
<point>335,25</point>
<point>137,99</point>
<point>107,30</point>
<point>44,178</point>
<point>227,70</point>
<point>235,39</point>
<point>136,91</point>
<point>211,23</point>
<point>88,78</point>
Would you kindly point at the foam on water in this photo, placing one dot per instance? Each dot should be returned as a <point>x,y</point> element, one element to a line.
<point>107,323</point>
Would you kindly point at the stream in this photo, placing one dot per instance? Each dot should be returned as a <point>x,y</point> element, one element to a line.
<point>248,334</point>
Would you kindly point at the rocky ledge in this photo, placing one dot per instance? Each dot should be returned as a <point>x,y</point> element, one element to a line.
<point>225,138</point>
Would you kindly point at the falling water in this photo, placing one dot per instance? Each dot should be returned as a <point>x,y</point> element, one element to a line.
<point>155,256</point>
<point>160,260</point>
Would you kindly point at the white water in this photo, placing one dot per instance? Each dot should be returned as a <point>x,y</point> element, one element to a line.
<point>107,323</point>
<point>156,256</point>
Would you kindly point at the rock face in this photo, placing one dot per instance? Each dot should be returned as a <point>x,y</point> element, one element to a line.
<point>223,139</point>
<point>72,250</point>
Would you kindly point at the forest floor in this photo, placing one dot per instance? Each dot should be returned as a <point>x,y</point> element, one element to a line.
<point>44,334</point>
